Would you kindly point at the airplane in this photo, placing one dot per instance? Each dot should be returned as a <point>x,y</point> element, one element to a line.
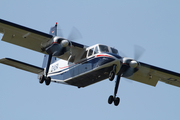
<point>71,63</point>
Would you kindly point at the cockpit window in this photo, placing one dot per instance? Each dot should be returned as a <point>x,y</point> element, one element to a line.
<point>90,52</point>
<point>96,50</point>
<point>103,48</point>
<point>114,51</point>
<point>84,55</point>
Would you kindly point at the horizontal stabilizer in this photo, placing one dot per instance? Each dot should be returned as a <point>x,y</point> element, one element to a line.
<point>21,65</point>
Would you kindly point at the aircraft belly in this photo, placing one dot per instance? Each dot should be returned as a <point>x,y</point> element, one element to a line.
<point>90,77</point>
<point>86,73</point>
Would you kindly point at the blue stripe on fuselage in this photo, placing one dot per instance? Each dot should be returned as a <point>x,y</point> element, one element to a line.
<point>82,67</point>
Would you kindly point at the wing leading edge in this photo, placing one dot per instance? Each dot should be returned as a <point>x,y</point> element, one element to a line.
<point>150,75</point>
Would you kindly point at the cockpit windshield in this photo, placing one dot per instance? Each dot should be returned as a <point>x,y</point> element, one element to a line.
<point>114,51</point>
<point>98,49</point>
<point>103,48</point>
<point>107,49</point>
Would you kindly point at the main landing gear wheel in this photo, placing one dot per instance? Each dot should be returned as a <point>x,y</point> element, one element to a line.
<point>41,79</point>
<point>116,100</point>
<point>111,99</point>
<point>46,79</point>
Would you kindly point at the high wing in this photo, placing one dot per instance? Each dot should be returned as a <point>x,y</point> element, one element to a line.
<point>150,75</point>
<point>33,39</point>
<point>21,65</point>
<point>23,36</point>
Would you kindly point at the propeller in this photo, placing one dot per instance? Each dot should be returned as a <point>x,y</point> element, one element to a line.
<point>74,34</point>
<point>133,63</point>
<point>60,33</point>
<point>128,67</point>
<point>58,45</point>
<point>138,52</point>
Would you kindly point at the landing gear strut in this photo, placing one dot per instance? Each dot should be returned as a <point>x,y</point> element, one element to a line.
<point>112,98</point>
<point>45,78</point>
<point>115,99</point>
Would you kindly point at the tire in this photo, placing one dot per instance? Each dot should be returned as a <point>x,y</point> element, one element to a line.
<point>111,75</point>
<point>41,79</point>
<point>111,99</point>
<point>116,101</point>
<point>48,80</point>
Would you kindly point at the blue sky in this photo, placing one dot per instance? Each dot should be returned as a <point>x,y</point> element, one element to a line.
<point>153,24</point>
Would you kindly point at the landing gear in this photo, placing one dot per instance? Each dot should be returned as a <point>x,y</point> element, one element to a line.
<point>41,79</point>
<point>112,98</point>
<point>46,79</point>
<point>115,99</point>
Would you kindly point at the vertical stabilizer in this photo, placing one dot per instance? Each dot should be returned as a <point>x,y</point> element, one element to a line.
<point>53,30</point>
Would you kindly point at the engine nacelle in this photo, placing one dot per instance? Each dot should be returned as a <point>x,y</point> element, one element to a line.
<point>57,46</point>
<point>129,61</point>
<point>60,40</point>
<point>129,67</point>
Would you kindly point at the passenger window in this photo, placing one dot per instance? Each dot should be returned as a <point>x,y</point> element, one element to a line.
<point>96,50</point>
<point>84,55</point>
<point>90,52</point>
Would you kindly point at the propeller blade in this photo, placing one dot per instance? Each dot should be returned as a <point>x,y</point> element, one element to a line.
<point>74,34</point>
<point>122,54</point>
<point>138,52</point>
<point>59,31</point>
